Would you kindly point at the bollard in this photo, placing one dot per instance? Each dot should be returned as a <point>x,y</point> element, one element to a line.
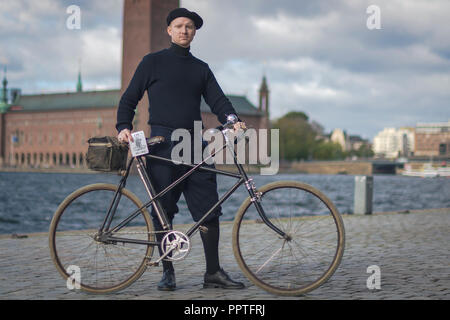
<point>363,195</point>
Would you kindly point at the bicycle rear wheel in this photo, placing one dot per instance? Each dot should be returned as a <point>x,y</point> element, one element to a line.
<point>104,267</point>
<point>310,255</point>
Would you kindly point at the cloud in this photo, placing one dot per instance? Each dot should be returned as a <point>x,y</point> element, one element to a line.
<point>318,56</point>
<point>43,55</point>
<point>100,52</point>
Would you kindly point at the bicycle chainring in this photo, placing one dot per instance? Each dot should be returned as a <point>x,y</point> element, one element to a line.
<point>177,243</point>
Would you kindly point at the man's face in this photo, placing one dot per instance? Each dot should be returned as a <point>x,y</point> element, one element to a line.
<point>182,31</point>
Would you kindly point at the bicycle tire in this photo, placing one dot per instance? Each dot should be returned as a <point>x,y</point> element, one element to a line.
<point>288,278</point>
<point>71,239</point>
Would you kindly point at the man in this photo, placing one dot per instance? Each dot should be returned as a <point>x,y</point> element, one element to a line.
<point>175,81</point>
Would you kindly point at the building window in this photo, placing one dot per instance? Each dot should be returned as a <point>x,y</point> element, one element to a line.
<point>442,149</point>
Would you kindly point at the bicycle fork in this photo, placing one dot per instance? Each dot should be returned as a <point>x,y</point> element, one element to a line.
<point>255,198</point>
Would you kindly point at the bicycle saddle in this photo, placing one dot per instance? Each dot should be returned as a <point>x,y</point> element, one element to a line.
<point>154,140</point>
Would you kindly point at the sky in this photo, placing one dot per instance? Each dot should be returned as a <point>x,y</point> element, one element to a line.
<point>356,65</point>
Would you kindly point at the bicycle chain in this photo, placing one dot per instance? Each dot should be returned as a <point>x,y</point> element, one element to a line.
<point>131,232</point>
<point>134,232</point>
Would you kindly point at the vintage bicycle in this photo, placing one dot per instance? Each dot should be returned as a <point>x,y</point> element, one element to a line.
<point>288,238</point>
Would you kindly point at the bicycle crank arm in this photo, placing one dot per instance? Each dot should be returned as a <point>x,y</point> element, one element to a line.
<point>156,263</point>
<point>174,241</point>
<point>124,240</point>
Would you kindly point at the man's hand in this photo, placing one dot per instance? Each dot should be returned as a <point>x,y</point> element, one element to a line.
<point>125,136</point>
<point>239,125</point>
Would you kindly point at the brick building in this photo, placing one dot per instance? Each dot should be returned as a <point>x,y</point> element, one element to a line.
<point>51,130</point>
<point>433,139</point>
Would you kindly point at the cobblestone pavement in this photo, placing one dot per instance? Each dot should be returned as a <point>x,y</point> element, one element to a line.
<point>411,250</point>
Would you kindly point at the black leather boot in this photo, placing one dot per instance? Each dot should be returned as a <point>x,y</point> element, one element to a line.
<point>167,282</point>
<point>221,280</point>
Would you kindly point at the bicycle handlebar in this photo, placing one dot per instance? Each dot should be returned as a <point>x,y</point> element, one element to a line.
<point>231,121</point>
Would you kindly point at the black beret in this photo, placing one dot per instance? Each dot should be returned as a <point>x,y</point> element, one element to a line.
<point>183,12</point>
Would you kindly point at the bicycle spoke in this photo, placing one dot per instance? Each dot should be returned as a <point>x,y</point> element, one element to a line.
<point>268,260</point>
<point>305,259</point>
<point>105,266</point>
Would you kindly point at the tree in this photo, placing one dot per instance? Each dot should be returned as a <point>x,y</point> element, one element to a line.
<point>325,150</point>
<point>297,137</point>
<point>302,140</point>
<point>296,115</point>
<point>364,151</point>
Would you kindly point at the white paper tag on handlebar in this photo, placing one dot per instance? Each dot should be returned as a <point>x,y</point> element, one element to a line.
<point>139,146</point>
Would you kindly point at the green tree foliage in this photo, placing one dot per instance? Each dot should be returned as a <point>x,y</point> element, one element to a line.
<point>297,138</point>
<point>325,150</point>
<point>296,115</point>
<point>364,151</point>
<point>299,141</point>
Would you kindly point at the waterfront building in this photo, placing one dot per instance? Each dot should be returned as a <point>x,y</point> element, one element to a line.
<point>433,139</point>
<point>393,142</point>
<point>347,142</point>
<point>51,130</point>
<point>340,137</point>
<point>356,142</point>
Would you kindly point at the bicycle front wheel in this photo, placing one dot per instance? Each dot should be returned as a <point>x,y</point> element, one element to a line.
<point>103,267</point>
<point>310,253</point>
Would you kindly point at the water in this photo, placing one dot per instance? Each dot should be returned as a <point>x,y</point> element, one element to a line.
<point>28,200</point>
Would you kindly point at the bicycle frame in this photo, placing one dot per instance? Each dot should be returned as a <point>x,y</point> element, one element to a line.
<point>105,231</point>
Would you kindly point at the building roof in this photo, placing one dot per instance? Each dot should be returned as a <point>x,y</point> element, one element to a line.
<point>68,100</point>
<point>105,99</point>
<point>240,104</point>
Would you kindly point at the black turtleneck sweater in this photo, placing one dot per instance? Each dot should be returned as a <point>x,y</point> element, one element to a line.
<point>175,81</point>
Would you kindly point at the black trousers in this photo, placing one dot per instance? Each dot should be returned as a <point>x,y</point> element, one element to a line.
<point>199,190</point>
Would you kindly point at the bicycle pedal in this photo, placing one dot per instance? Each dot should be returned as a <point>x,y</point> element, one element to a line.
<point>152,264</point>
<point>203,229</point>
